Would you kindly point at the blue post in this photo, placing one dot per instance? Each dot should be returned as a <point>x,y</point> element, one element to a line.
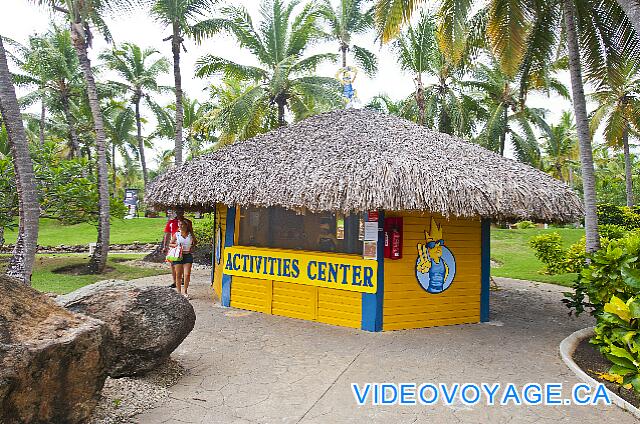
<point>485,266</point>
<point>372,302</point>
<point>228,242</point>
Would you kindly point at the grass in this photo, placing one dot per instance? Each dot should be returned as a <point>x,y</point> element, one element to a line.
<point>123,231</point>
<point>510,248</point>
<point>46,280</point>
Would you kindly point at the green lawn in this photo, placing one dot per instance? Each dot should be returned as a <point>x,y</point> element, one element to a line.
<point>511,250</point>
<point>123,231</point>
<point>46,280</point>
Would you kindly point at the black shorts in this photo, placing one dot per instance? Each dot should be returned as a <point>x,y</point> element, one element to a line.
<point>187,258</point>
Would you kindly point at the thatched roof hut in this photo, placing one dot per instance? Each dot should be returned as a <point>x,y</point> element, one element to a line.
<point>359,160</point>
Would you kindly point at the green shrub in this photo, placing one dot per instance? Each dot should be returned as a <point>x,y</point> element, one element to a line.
<point>523,225</point>
<point>203,230</point>
<point>610,288</point>
<point>617,337</point>
<point>548,248</point>
<point>575,257</point>
<point>613,270</point>
<point>625,217</point>
<point>612,231</point>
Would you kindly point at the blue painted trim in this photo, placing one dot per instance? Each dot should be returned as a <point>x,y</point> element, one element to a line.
<point>372,302</point>
<point>228,242</point>
<point>485,266</point>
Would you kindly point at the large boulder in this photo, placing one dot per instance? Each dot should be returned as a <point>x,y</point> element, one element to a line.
<point>146,323</point>
<point>52,366</point>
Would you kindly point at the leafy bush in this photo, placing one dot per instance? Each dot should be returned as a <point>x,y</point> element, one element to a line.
<point>575,257</point>
<point>612,231</point>
<point>548,248</point>
<point>203,230</point>
<point>614,271</point>
<point>523,225</point>
<point>618,339</point>
<point>610,288</point>
<point>623,216</point>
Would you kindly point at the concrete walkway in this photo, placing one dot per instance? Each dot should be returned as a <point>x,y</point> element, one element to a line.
<point>247,367</point>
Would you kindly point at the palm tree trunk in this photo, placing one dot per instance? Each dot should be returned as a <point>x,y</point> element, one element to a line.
<point>143,162</point>
<point>21,263</point>
<point>43,115</point>
<point>73,135</point>
<point>627,166</point>
<point>343,49</point>
<point>632,10</point>
<point>98,260</point>
<point>176,42</point>
<point>281,106</point>
<point>1,236</point>
<point>113,164</point>
<point>582,126</point>
<point>420,99</point>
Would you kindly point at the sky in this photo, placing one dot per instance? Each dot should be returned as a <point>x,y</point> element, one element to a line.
<point>21,18</point>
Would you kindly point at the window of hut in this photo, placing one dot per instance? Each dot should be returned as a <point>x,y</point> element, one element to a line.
<point>285,229</point>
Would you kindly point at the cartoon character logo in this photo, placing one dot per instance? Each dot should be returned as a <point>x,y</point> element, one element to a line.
<point>435,266</point>
<point>347,77</point>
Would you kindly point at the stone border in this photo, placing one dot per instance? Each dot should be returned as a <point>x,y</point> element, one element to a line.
<point>568,347</point>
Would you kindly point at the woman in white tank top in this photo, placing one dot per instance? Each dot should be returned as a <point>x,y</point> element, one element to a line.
<point>184,237</point>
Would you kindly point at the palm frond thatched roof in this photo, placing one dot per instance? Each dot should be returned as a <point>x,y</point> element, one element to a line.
<point>358,160</point>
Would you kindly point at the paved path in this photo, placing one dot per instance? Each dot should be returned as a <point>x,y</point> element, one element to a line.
<point>248,367</point>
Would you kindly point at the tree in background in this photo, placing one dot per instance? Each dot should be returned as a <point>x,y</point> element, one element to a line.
<point>524,35</point>
<point>82,14</point>
<point>51,64</point>
<point>346,20</point>
<point>21,263</point>
<point>231,116</point>
<point>404,108</point>
<point>180,16</point>
<point>120,122</point>
<point>560,146</point>
<point>284,77</point>
<point>443,105</point>
<point>140,79</point>
<point>619,111</point>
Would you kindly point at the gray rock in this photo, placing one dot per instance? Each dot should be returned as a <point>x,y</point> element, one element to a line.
<point>52,362</point>
<point>146,323</point>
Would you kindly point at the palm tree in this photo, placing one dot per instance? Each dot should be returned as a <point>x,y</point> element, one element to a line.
<point>632,10</point>
<point>507,109</point>
<point>560,147</point>
<point>524,36</point>
<point>442,105</point>
<point>404,108</point>
<point>283,78</point>
<point>619,110</point>
<point>348,19</point>
<point>52,64</point>
<point>180,15</point>
<point>21,263</point>
<point>119,124</point>
<point>82,14</point>
<point>130,62</point>
<point>233,114</point>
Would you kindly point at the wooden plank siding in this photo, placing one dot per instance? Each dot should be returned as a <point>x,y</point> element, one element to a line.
<point>330,306</point>
<point>406,305</point>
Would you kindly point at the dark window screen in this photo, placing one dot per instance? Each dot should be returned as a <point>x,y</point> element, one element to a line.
<point>282,228</point>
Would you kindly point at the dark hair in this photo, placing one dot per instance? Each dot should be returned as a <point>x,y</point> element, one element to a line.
<point>189,226</point>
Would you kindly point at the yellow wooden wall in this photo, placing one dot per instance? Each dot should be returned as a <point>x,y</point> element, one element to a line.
<point>406,304</point>
<point>330,306</point>
<point>221,217</point>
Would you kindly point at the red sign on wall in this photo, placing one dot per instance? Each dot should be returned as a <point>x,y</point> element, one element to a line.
<point>372,216</point>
